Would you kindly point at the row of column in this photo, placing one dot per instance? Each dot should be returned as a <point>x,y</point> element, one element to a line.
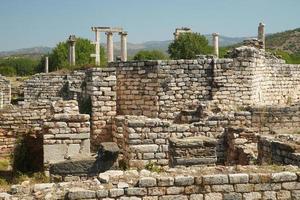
<point>110,46</point>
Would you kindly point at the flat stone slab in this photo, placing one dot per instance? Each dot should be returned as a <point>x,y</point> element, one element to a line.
<point>199,141</point>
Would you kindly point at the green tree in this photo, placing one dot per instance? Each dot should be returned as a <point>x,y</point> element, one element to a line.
<point>150,55</point>
<point>18,66</point>
<point>58,59</point>
<point>188,45</point>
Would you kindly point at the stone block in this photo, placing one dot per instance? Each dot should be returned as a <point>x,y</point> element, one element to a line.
<point>283,177</point>
<point>136,191</point>
<point>73,149</point>
<point>214,196</point>
<point>217,179</point>
<point>80,193</point>
<point>184,180</point>
<point>233,196</point>
<point>222,188</point>
<point>116,192</point>
<point>196,197</point>
<point>175,190</point>
<point>147,182</point>
<point>238,178</point>
<point>54,153</point>
<point>252,196</point>
<point>172,197</point>
<point>165,181</point>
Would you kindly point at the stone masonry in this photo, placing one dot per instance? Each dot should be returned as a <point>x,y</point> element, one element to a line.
<point>67,134</point>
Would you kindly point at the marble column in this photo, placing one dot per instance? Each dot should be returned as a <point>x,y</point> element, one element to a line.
<point>46,64</point>
<point>261,33</point>
<point>123,46</point>
<point>97,48</point>
<point>110,47</point>
<point>71,57</point>
<point>216,44</point>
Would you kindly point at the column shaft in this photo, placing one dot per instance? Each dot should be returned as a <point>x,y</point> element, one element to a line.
<point>123,46</point>
<point>110,47</point>
<point>97,48</point>
<point>46,64</point>
<point>261,33</point>
<point>216,43</point>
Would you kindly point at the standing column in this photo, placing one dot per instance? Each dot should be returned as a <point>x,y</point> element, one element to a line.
<point>72,42</point>
<point>110,47</point>
<point>261,33</point>
<point>46,64</point>
<point>97,46</point>
<point>123,46</point>
<point>216,43</point>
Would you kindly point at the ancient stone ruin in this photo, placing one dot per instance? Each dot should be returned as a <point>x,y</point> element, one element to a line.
<point>204,129</point>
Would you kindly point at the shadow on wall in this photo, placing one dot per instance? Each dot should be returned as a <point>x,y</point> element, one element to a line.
<point>28,154</point>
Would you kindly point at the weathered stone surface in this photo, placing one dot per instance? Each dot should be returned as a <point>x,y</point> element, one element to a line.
<point>215,179</point>
<point>238,178</point>
<point>184,180</point>
<point>79,193</point>
<point>284,176</point>
<point>147,182</point>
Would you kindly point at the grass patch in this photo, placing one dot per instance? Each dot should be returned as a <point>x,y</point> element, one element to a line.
<point>4,164</point>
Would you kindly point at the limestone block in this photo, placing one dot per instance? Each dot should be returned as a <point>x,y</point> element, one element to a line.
<point>73,149</point>
<point>54,153</point>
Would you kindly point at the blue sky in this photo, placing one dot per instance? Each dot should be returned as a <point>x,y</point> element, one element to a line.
<point>28,23</point>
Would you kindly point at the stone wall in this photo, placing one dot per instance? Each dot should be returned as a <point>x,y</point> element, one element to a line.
<point>94,89</point>
<point>279,149</point>
<point>162,88</point>
<point>7,143</point>
<point>101,88</point>
<point>165,88</point>
<point>66,134</point>
<point>53,86</point>
<point>144,140</point>
<point>165,186</point>
<point>5,91</point>
<point>24,119</point>
<point>192,151</point>
<point>273,118</point>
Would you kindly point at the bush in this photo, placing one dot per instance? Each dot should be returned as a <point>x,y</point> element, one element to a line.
<point>7,71</point>
<point>150,55</point>
<point>188,46</point>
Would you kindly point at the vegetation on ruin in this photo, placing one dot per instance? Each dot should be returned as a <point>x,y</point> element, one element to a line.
<point>150,55</point>
<point>188,46</point>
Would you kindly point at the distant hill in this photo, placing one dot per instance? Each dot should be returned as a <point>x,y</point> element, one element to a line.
<point>288,41</point>
<point>34,52</point>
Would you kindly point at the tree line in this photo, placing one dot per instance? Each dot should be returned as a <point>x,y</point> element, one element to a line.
<point>187,46</point>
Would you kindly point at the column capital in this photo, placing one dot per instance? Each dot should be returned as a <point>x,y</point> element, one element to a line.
<point>215,34</point>
<point>108,33</point>
<point>72,39</point>
<point>123,33</point>
<point>261,24</point>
